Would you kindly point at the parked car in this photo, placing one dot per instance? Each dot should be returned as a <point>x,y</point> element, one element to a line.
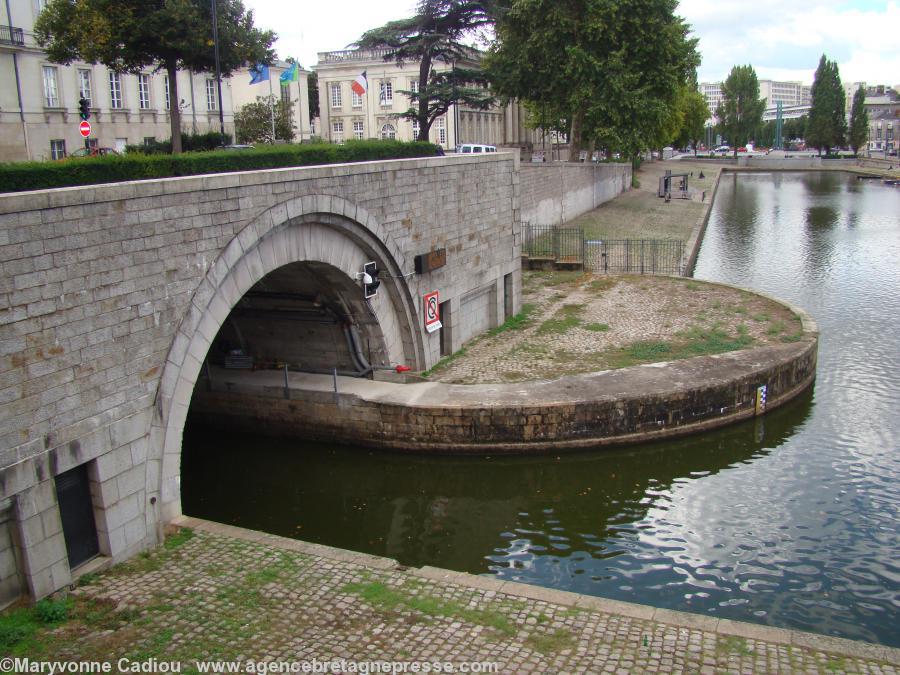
<point>467,148</point>
<point>94,152</point>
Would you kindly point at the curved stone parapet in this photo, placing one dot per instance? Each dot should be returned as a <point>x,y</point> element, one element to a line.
<point>613,407</point>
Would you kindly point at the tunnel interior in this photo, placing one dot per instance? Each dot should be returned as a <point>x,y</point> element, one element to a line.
<point>309,316</point>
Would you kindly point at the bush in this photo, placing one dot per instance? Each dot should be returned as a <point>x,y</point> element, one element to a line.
<point>20,176</point>
<point>189,143</point>
<point>51,611</point>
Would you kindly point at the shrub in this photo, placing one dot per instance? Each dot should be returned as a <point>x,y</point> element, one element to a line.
<point>189,143</point>
<point>21,176</point>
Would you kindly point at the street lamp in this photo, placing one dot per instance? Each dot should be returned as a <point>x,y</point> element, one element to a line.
<point>215,22</point>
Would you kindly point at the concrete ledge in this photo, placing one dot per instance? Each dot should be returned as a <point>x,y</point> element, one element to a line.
<point>709,624</point>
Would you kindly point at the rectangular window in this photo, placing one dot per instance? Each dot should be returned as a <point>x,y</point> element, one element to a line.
<point>878,134</point>
<point>58,148</point>
<point>212,101</point>
<point>149,140</point>
<point>144,91</point>
<point>285,91</point>
<point>84,86</point>
<point>414,86</point>
<point>387,93</point>
<point>337,132</point>
<point>890,133</point>
<point>335,95</point>
<point>415,128</point>
<point>115,90</point>
<point>168,100</point>
<point>442,131</point>
<point>51,90</point>
<point>358,130</point>
<point>355,100</point>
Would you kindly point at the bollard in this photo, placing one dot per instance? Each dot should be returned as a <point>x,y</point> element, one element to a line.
<point>287,390</point>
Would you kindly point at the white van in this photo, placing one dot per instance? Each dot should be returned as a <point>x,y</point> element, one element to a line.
<point>468,148</point>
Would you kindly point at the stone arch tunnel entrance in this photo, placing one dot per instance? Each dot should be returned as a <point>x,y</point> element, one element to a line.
<point>307,316</point>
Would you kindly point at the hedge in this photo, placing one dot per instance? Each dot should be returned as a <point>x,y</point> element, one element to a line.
<point>20,176</point>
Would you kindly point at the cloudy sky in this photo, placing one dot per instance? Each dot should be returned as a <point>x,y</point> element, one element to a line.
<point>781,39</point>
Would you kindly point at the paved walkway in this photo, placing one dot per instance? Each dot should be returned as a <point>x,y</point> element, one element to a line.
<point>228,594</point>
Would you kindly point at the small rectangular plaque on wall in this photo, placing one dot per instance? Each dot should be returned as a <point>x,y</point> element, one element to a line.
<point>428,262</point>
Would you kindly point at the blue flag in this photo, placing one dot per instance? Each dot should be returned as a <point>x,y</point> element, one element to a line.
<point>259,73</point>
<point>292,74</point>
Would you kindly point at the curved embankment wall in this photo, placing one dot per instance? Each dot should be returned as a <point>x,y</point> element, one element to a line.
<point>629,405</point>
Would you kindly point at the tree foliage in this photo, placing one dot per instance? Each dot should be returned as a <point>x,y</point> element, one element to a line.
<point>312,87</point>
<point>740,113</point>
<point>253,122</point>
<point>695,114</point>
<point>613,69</point>
<point>792,129</point>
<point>129,36</point>
<point>432,37</point>
<point>827,126</point>
<point>859,121</point>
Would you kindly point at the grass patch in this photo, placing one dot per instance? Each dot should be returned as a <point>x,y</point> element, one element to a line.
<point>516,322</point>
<point>182,536</point>
<point>551,643</point>
<point>776,328</point>
<point>596,327</point>
<point>604,284</point>
<point>20,627</point>
<point>733,645</point>
<point>444,362</point>
<point>692,286</point>
<point>762,317</point>
<point>388,599</point>
<point>696,341</point>
<point>566,318</point>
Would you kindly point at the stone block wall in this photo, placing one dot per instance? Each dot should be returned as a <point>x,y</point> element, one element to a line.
<point>557,192</point>
<point>105,289</point>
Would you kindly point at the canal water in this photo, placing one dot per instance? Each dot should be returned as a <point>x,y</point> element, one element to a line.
<point>789,520</point>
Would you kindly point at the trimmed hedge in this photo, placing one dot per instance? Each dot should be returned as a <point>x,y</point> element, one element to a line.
<point>21,176</point>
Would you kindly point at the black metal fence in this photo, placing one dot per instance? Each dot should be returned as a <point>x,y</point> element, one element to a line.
<point>547,241</point>
<point>12,36</point>
<point>603,256</point>
<point>634,256</point>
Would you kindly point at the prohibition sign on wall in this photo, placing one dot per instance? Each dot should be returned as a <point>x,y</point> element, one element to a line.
<point>432,311</point>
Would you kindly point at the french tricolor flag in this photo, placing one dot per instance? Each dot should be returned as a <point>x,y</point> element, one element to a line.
<point>360,85</point>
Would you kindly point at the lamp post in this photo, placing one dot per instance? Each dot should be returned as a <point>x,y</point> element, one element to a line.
<point>215,27</point>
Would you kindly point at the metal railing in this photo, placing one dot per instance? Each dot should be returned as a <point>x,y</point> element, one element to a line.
<point>12,36</point>
<point>548,241</point>
<point>634,256</point>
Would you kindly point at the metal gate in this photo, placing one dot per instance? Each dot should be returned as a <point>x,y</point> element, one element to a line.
<point>634,256</point>
<point>548,241</point>
<point>73,492</point>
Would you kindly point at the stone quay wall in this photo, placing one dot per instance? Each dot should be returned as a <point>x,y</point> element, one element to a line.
<point>110,296</point>
<point>557,192</point>
<point>630,405</point>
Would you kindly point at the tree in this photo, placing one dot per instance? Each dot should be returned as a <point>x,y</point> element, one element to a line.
<point>615,68</point>
<point>740,113</point>
<point>696,112</point>
<point>312,87</point>
<point>253,122</point>
<point>859,121</point>
<point>827,124</point>
<point>432,37</point>
<point>129,36</point>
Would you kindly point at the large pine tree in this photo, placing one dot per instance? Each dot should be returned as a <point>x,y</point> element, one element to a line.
<point>827,127</point>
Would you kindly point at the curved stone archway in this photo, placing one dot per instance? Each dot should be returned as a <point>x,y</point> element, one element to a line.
<point>321,228</point>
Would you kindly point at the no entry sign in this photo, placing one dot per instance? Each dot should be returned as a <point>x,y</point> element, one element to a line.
<point>84,128</point>
<point>432,311</point>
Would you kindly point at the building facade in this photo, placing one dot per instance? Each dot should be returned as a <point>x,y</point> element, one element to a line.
<point>39,108</point>
<point>793,95</point>
<point>242,93</point>
<point>346,115</point>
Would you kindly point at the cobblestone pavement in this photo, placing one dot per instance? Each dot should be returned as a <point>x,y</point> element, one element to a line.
<point>227,594</point>
<point>580,323</point>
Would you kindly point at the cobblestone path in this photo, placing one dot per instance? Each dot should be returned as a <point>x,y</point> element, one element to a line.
<point>226,594</point>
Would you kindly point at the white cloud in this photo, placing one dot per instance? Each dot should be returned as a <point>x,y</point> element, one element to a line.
<point>782,40</point>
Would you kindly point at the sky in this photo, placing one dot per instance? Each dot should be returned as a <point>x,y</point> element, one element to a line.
<point>781,39</point>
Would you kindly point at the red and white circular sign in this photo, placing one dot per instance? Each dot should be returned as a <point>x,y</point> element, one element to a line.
<point>84,128</point>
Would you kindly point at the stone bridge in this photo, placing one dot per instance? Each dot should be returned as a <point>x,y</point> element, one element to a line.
<point>115,296</point>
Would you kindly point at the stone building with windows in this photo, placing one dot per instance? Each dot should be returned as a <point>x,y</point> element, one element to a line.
<point>345,115</point>
<point>39,99</point>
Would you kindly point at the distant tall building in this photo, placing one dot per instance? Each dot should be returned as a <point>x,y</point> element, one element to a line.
<point>791,95</point>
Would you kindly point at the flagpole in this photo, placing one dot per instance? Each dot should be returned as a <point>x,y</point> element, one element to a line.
<point>272,108</point>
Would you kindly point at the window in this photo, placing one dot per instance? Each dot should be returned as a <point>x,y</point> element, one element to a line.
<point>890,132</point>
<point>144,91</point>
<point>211,98</point>
<point>387,93</point>
<point>388,132</point>
<point>358,130</point>
<point>442,131</point>
<point>115,90</point>
<point>168,100</point>
<point>335,95</point>
<point>337,132</point>
<point>355,99</point>
<point>58,148</point>
<point>285,92</point>
<point>414,86</point>
<point>415,128</point>
<point>84,86</point>
<point>149,140</point>
<point>51,90</point>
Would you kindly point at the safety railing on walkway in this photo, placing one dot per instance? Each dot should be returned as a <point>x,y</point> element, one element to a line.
<point>603,256</point>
